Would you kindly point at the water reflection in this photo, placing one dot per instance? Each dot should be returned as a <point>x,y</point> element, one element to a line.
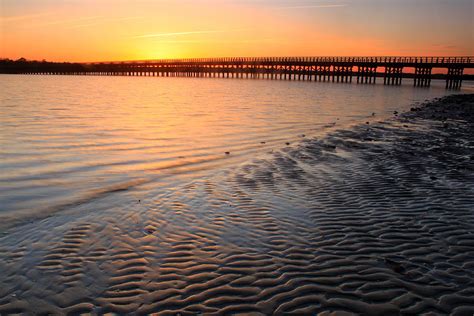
<point>68,139</point>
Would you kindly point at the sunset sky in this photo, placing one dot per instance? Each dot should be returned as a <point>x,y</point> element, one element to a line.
<point>106,30</point>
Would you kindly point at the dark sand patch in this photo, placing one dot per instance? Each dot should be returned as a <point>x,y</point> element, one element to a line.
<point>376,220</point>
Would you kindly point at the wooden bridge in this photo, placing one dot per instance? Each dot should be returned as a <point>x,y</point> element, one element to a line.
<point>363,70</point>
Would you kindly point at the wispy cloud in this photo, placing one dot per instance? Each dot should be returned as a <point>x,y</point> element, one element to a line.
<point>125,18</point>
<point>445,46</point>
<point>316,6</point>
<point>16,18</point>
<point>78,22</point>
<point>83,25</point>
<point>98,20</point>
<point>220,41</point>
<point>88,18</point>
<point>175,34</point>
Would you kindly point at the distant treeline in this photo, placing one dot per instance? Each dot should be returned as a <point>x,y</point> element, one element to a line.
<point>8,66</point>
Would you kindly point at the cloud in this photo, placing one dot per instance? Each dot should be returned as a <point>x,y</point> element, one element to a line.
<point>221,41</point>
<point>73,20</point>
<point>83,25</point>
<point>317,6</point>
<point>125,18</point>
<point>176,34</point>
<point>445,46</point>
<point>96,21</point>
<point>16,18</point>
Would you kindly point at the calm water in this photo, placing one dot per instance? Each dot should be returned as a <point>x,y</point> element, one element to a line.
<point>70,140</point>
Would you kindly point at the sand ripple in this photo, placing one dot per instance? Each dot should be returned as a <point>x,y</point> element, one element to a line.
<point>376,220</point>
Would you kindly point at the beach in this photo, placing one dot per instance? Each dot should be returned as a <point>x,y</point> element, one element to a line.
<point>372,219</point>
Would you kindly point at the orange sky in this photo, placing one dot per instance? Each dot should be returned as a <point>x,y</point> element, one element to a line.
<point>102,30</point>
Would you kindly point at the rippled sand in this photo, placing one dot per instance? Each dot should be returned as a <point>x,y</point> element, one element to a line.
<point>376,220</point>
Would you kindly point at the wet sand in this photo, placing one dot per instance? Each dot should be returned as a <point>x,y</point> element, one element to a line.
<point>375,220</point>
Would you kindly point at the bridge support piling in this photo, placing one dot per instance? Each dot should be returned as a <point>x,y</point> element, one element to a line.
<point>454,78</point>
<point>392,75</point>
<point>422,76</point>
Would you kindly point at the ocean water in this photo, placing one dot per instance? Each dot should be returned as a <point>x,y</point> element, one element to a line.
<point>117,196</point>
<point>70,140</point>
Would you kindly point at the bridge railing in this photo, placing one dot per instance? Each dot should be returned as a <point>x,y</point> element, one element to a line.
<point>375,60</point>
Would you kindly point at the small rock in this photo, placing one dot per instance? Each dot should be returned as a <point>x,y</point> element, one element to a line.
<point>227,152</point>
<point>149,231</point>
<point>367,122</point>
<point>395,112</point>
<point>395,266</point>
<point>262,142</point>
<point>373,113</point>
<point>287,144</point>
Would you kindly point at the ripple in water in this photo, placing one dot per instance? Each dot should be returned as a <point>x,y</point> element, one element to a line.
<point>68,140</point>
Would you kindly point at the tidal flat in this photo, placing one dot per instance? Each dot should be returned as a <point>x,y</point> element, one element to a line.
<point>375,219</point>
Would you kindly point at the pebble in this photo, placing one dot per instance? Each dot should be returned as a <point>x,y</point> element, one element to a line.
<point>149,230</point>
<point>395,266</point>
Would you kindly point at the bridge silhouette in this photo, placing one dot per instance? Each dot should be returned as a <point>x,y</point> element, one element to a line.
<point>363,70</point>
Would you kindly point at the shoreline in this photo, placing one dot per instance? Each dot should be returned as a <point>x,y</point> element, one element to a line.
<point>376,219</point>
